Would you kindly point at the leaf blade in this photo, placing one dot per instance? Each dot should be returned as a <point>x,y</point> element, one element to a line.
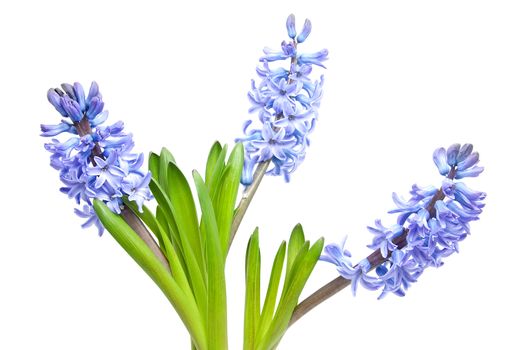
<point>226,195</point>
<point>271,293</point>
<point>154,165</point>
<point>167,209</point>
<point>252,305</point>
<point>166,158</point>
<point>192,267</point>
<point>174,258</point>
<point>217,311</point>
<point>296,243</point>
<point>185,212</point>
<point>290,298</point>
<point>139,251</point>
<point>211,163</point>
<point>217,171</point>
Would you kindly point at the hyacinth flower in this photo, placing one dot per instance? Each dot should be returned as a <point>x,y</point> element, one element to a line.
<point>286,102</point>
<point>430,225</point>
<point>96,161</point>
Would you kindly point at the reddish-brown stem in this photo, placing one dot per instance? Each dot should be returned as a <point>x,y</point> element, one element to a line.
<point>142,231</point>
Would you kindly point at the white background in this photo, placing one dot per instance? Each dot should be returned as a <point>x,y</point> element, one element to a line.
<point>404,78</point>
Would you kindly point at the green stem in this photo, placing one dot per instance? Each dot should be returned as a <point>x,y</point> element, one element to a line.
<point>247,197</point>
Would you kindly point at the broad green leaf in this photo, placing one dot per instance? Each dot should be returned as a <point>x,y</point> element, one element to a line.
<point>223,208</point>
<point>154,165</point>
<point>217,171</point>
<point>180,236</point>
<point>217,319</point>
<point>211,163</point>
<point>166,158</point>
<point>295,244</point>
<point>213,156</point>
<point>167,212</point>
<point>290,297</point>
<point>140,252</point>
<point>226,195</point>
<point>236,159</point>
<point>185,216</point>
<point>252,307</point>
<point>164,212</point>
<point>162,221</point>
<point>185,213</point>
<point>271,293</point>
<point>177,269</point>
<point>297,263</point>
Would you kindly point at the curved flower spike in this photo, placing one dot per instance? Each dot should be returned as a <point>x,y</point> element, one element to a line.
<point>431,223</point>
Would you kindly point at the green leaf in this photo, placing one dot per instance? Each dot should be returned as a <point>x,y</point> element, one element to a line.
<point>194,271</point>
<point>185,213</point>
<point>140,252</point>
<point>217,319</point>
<point>167,211</point>
<point>271,293</point>
<point>290,297</point>
<point>162,221</point>
<point>297,263</point>
<point>213,156</point>
<point>217,171</point>
<point>177,269</point>
<point>224,205</point>
<point>236,159</point>
<point>166,158</point>
<point>154,165</point>
<point>172,232</point>
<point>252,307</point>
<point>185,216</point>
<point>226,194</point>
<point>296,243</point>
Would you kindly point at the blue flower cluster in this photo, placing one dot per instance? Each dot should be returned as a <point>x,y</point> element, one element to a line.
<point>429,226</point>
<point>286,102</point>
<point>97,161</point>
